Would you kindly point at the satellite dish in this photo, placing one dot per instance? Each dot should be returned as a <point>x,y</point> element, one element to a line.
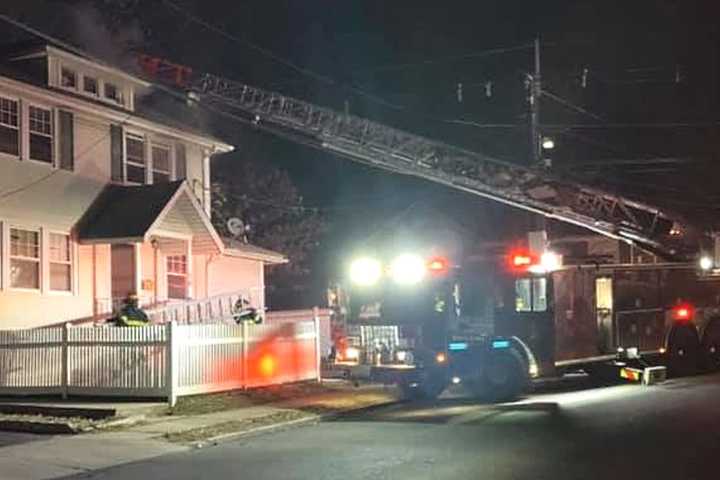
<point>235,226</point>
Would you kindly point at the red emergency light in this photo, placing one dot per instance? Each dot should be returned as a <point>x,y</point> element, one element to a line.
<point>521,260</point>
<point>438,265</point>
<point>683,312</point>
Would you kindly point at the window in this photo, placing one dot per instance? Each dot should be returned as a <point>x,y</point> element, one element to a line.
<point>90,85</point>
<point>161,163</point>
<point>68,78</point>
<point>112,92</point>
<point>9,126</point>
<point>135,165</point>
<point>24,258</point>
<point>531,295</point>
<point>177,276</point>
<point>60,263</point>
<point>41,140</point>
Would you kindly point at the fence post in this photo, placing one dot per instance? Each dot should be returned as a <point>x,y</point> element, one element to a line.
<point>318,355</point>
<point>65,369</point>
<point>171,379</point>
<point>244,354</point>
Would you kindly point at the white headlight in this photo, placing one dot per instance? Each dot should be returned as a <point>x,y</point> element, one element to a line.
<point>407,269</point>
<point>706,263</point>
<point>352,353</point>
<point>365,271</point>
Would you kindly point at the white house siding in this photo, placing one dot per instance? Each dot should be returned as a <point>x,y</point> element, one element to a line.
<point>34,194</point>
<point>228,274</point>
<point>24,309</point>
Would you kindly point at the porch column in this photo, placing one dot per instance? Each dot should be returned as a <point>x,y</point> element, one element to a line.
<point>138,270</point>
<point>189,262</point>
<point>206,182</point>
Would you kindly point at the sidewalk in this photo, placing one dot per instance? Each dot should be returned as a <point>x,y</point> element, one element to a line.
<point>156,435</point>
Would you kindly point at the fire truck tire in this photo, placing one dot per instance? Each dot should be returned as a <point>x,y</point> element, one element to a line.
<point>710,343</point>
<point>505,376</point>
<point>683,350</point>
<point>427,387</point>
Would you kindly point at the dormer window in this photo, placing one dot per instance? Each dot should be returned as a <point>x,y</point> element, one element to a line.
<point>68,78</point>
<point>113,93</point>
<point>90,85</point>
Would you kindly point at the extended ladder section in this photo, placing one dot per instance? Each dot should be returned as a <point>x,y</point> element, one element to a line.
<point>398,151</point>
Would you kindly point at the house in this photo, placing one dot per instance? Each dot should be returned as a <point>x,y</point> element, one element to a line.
<point>100,197</point>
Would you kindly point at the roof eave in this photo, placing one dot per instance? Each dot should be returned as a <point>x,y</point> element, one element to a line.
<point>265,258</point>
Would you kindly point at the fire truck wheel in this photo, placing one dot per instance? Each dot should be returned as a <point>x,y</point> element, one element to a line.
<point>429,386</point>
<point>711,344</point>
<point>683,350</point>
<point>505,376</point>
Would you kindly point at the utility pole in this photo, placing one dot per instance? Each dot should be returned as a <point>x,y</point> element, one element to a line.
<point>535,90</point>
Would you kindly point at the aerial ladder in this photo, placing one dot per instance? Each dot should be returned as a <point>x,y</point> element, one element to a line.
<point>384,147</point>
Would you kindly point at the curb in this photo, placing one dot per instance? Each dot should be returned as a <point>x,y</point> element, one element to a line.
<point>38,427</point>
<point>53,411</point>
<point>65,428</point>
<point>291,423</point>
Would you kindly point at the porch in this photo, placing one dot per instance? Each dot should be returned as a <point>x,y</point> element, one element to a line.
<point>157,242</point>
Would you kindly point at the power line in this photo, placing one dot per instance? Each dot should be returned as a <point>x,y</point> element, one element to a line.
<point>632,125</point>
<point>484,53</point>
<point>570,105</point>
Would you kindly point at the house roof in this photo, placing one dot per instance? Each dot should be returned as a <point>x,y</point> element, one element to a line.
<point>236,248</point>
<point>129,214</point>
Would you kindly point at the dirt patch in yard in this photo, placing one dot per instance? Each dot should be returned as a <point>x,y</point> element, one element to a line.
<point>236,427</point>
<point>211,403</point>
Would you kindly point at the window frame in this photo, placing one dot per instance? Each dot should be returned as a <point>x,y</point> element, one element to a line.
<point>185,275</point>
<point>146,165</point>
<point>533,287</point>
<point>171,160</point>
<point>119,100</point>
<point>19,127</point>
<point>84,91</point>
<point>38,260</point>
<point>70,263</point>
<point>28,133</point>
<point>76,75</point>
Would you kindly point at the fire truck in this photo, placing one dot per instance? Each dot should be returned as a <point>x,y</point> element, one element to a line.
<point>506,317</point>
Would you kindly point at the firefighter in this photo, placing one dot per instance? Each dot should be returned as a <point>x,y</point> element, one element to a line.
<point>246,313</point>
<point>131,315</point>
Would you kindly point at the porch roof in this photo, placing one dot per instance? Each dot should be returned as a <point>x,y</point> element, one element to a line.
<point>134,214</point>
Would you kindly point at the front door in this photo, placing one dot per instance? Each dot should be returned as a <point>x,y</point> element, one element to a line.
<point>604,313</point>
<point>123,273</point>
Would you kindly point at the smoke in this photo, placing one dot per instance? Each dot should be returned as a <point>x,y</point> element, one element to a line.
<point>110,39</point>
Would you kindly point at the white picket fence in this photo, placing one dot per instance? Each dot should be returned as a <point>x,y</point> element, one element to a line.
<point>168,360</point>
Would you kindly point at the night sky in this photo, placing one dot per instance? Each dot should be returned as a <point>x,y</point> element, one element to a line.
<point>611,64</point>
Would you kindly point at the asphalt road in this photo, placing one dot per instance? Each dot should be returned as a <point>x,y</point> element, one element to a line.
<point>671,431</point>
